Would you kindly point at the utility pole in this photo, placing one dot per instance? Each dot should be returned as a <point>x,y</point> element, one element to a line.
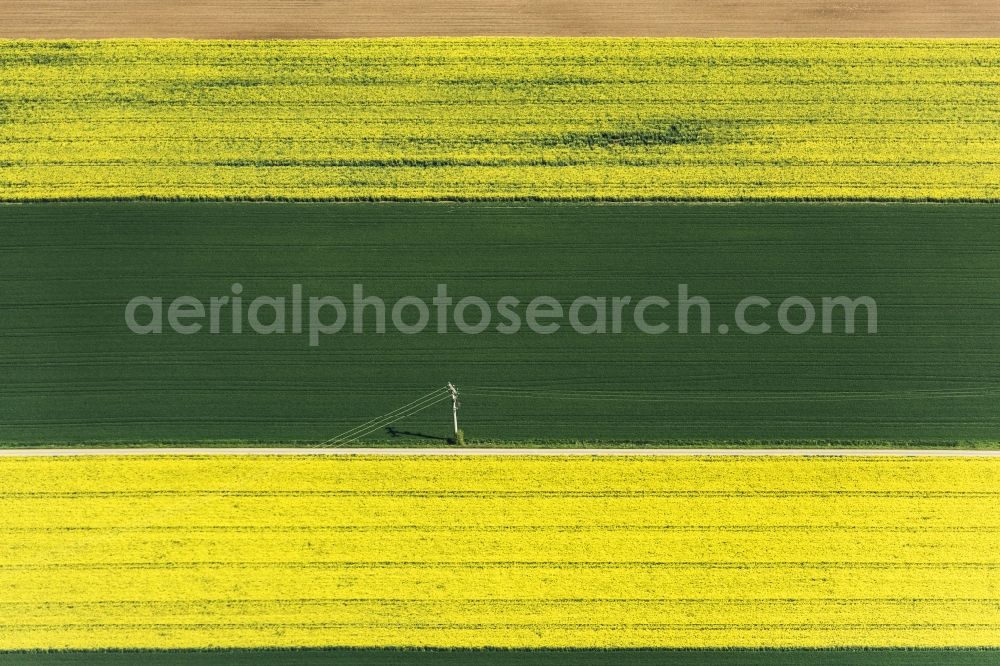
<point>454,409</point>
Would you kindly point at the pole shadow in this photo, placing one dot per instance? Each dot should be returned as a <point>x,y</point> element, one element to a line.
<point>394,433</point>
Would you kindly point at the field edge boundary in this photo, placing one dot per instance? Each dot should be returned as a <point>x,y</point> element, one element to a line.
<point>506,452</point>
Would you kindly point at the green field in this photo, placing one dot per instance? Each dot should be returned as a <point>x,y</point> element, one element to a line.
<point>73,372</point>
<point>514,657</point>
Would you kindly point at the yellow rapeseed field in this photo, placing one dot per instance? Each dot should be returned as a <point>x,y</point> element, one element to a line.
<point>567,119</point>
<point>210,551</point>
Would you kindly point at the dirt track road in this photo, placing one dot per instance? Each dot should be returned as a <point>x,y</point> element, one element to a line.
<point>263,19</point>
<point>939,453</point>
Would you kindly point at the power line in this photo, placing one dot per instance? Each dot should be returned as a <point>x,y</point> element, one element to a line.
<point>693,395</point>
<point>448,392</point>
<point>392,419</point>
<point>378,421</point>
<point>386,418</point>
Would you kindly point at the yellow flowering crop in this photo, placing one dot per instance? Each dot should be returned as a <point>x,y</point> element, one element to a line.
<point>566,119</point>
<point>255,551</point>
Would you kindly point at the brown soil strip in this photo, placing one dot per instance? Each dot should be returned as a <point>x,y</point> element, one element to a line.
<point>263,19</point>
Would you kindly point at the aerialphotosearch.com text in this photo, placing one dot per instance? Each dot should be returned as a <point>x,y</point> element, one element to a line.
<point>297,313</point>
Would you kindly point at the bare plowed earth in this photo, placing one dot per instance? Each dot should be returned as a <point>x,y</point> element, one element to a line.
<point>263,19</point>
